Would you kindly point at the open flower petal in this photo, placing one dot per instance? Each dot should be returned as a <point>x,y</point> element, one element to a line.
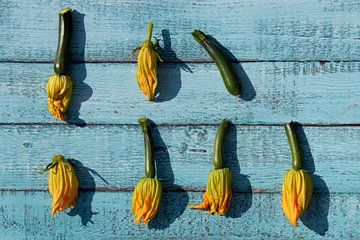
<point>218,193</point>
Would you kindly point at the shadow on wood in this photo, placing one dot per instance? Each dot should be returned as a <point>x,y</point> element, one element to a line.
<point>248,92</point>
<point>315,218</point>
<point>81,91</point>
<point>170,207</point>
<point>87,187</point>
<point>242,190</point>
<point>169,78</point>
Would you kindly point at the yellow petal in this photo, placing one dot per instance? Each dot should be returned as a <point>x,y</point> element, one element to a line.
<point>296,194</point>
<point>63,185</point>
<point>218,193</point>
<point>59,90</point>
<point>147,70</point>
<point>146,199</point>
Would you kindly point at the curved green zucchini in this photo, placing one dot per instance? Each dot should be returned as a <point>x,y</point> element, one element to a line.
<point>149,148</point>
<point>231,81</point>
<point>62,52</point>
<point>297,161</point>
<point>219,143</point>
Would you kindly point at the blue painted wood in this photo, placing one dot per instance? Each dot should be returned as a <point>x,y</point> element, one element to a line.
<point>108,152</point>
<point>259,156</point>
<point>108,215</point>
<point>255,30</point>
<point>108,93</point>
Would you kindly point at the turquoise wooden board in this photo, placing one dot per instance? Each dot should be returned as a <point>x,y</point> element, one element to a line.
<point>259,156</point>
<point>108,215</point>
<point>274,93</point>
<point>251,30</point>
<point>299,61</point>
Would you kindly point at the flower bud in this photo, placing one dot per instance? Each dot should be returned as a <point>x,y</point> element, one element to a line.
<point>63,184</point>
<point>296,194</point>
<point>147,66</point>
<point>59,90</point>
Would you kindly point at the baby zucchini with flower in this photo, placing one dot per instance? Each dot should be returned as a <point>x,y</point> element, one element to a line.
<point>147,66</point>
<point>231,80</point>
<point>59,86</point>
<point>298,186</point>
<point>148,191</point>
<point>218,193</point>
<point>63,184</point>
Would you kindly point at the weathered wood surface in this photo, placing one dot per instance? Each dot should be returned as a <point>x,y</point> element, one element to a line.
<point>251,29</point>
<point>111,158</point>
<point>99,215</point>
<point>284,48</point>
<point>273,93</point>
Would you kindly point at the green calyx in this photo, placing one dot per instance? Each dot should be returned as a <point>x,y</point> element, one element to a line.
<point>56,159</point>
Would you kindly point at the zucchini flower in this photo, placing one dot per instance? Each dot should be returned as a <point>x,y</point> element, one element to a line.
<point>59,86</point>
<point>63,184</point>
<point>147,66</point>
<point>218,193</point>
<point>298,187</point>
<point>147,193</point>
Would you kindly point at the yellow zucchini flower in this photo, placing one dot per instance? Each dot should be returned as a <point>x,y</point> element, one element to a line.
<point>59,87</point>
<point>296,194</point>
<point>59,90</point>
<point>218,193</point>
<point>146,199</point>
<point>298,186</point>
<point>147,66</point>
<point>63,184</point>
<point>148,191</point>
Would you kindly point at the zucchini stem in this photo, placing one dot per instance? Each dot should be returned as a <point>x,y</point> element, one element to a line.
<point>296,155</point>
<point>219,143</point>
<point>149,148</point>
<point>149,32</point>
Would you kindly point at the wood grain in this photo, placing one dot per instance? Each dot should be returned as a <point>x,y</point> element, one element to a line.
<point>252,30</point>
<point>273,93</point>
<point>111,158</point>
<point>109,215</point>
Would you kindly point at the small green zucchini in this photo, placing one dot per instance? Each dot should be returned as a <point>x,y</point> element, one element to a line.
<point>149,148</point>
<point>62,52</point>
<point>296,155</point>
<point>231,80</point>
<point>219,143</point>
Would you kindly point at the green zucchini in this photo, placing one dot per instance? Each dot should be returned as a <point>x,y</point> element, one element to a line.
<point>219,143</point>
<point>230,78</point>
<point>296,155</point>
<point>149,148</point>
<point>64,39</point>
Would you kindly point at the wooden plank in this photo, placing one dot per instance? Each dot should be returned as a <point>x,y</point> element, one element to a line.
<point>108,215</point>
<point>108,93</point>
<point>250,29</point>
<point>259,156</point>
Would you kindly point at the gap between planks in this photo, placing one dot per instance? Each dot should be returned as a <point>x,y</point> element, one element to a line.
<point>125,190</point>
<point>164,125</point>
<point>186,62</point>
